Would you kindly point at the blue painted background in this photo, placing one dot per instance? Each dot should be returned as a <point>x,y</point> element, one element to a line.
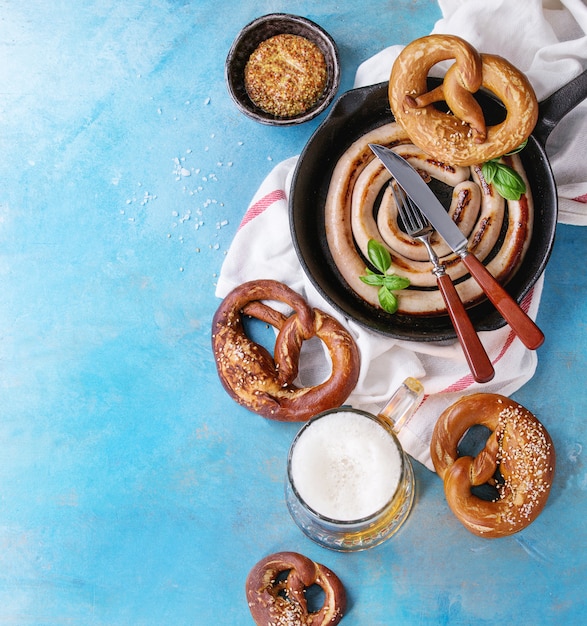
<point>133,491</point>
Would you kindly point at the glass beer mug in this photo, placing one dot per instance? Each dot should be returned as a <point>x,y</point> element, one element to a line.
<point>349,484</point>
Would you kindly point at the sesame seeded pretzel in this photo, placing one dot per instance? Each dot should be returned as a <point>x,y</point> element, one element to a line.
<point>265,384</point>
<point>276,589</point>
<point>460,136</point>
<point>519,452</point>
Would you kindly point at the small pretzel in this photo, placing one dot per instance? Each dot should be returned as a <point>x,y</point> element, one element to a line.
<point>460,136</point>
<point>519,452</point>
<point>265,385</point>
<point>276,591</point>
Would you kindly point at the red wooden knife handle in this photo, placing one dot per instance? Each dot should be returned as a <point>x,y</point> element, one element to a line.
<point>475,353</point>
<point>530,335</point>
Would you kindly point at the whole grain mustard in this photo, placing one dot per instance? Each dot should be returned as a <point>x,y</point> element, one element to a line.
<point>285,75</point>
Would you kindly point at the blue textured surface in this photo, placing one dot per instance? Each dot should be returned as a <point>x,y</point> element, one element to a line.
<point>133,491</point>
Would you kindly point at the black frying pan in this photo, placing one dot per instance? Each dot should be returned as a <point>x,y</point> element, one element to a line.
<point>361,110</point>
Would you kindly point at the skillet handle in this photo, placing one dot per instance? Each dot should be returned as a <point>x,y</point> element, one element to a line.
<point>530,335</point>
<point>475,354</point>
<point>558,104</point>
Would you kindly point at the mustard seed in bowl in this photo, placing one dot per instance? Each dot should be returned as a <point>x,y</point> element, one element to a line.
<point>313,75</point>
<point>285,75</point>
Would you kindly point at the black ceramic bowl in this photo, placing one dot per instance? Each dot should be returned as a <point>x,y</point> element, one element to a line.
<point>258,31</point>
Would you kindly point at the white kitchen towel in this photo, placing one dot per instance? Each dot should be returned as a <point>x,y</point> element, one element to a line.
<point>548,42</point>
<point>263,248</point>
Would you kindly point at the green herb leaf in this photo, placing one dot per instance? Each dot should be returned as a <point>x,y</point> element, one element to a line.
<point>394,282</point>
<point>518,149</point>
<point>508,182</point>
<point>489,170</point>
<point>379,255</point>
<point>387,300</point>
<point>384,278</point>
<point>375,280</point>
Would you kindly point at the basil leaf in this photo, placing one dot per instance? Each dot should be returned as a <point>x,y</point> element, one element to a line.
<point>394,282</point>
<point>489,170</point>
<point>518,149</point>
<point>388,283</point>
<point>509,183</point>
<point>375,280</point>
<point>379,255</point>
<point>507,176</point>
<point>508,193</point>
<point>387,300</point>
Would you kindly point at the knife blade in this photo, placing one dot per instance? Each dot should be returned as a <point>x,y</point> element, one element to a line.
<point>413,184</point>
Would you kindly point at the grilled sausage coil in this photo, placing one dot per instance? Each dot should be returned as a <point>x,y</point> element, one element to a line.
<point>276,591</point>
<point>352,218</point>
<point>519,452</point>
<point>265,384</point>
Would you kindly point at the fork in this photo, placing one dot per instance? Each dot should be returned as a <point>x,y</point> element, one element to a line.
<point>418,227</point>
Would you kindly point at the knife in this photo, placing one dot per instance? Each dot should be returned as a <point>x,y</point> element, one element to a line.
<point>413,184</point>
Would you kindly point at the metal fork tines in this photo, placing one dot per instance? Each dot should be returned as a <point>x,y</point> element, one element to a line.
<point>418,227</point>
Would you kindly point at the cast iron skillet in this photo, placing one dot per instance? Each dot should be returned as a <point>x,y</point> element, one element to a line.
<point>361,110</point>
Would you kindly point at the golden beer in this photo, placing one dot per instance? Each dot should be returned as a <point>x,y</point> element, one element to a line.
<point>350,485</point>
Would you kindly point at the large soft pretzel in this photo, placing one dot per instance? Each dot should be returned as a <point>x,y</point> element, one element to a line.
<point>265,384</point>
<point>276,588</point>
<point>460,136</point>
<point>519,452</point>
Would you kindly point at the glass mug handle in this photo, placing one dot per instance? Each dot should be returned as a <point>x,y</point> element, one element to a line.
<point>403,403</point>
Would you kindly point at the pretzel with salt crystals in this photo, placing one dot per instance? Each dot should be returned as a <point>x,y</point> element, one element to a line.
<point>519,452</point>
<point>265,384</point>
<point>276,589</point>
<point>461,136</point>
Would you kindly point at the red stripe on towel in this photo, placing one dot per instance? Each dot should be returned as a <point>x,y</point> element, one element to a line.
<point>468,380</point>
<point>265,202</point>
<point>582,198</point>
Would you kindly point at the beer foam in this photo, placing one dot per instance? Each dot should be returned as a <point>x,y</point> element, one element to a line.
<point>346,466</point>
